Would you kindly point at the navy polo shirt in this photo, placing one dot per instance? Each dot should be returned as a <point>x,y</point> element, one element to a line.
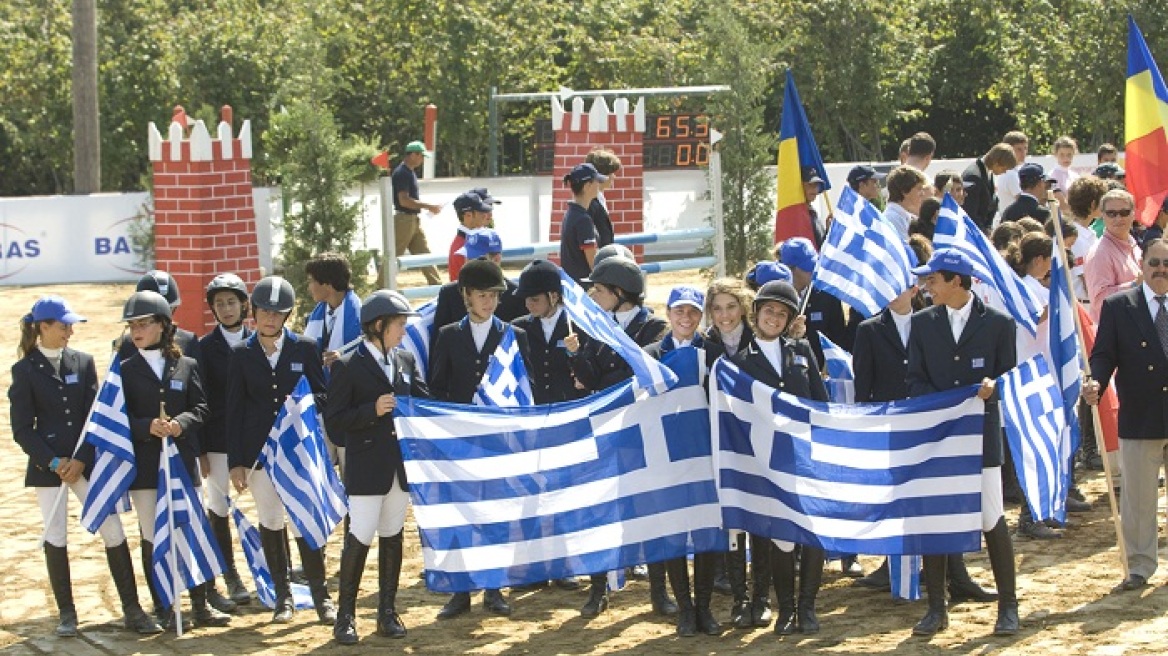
<point>577,232</point>
<point>405,180</point>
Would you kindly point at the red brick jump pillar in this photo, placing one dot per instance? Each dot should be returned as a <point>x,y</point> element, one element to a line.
<point>620,130</point>
<point>204,217</point>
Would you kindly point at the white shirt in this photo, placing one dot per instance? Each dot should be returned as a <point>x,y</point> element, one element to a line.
<point>53,356</point>
<point>1079,250</point>
<point>155,359</point>
<point>900,219</point>
<point>732,339</point>
<point>1007,186</point>
<point>626,317</point>
<point>232,338</point>
<point>479,332</point>
<point>275,356</point>
<point>959,317</point>
<point>379,358</point>
<point>772,350</point>
<point>1027,346</point>
<point>1153,304</point>
<point>902,322</point>
<point>549,324</point>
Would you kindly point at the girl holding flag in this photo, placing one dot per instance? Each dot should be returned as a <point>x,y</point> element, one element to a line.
<point>363,393</point>
<point>53,387</point>
<point>164,399</point>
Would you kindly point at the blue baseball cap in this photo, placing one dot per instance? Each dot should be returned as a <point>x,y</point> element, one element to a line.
<point>53,308</point>
<point>946,259</point>
<point>686,295</point>
<point>765,272</point>
<point>487,197</point>
<point>1031,173</point>
<point>470,201</point>
<point>799,253</point>
<point>584,173</point>
<point>482,242</point>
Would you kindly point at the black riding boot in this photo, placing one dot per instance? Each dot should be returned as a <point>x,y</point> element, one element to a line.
<point>961,586</point>
<point>740,614</point>
<point>121,567</point>
<point>276,553</point>
<point>705,570</point>
<point>352,566</point>
<point>597,597</point>
<point>312,560</point>
<point>937,617</point>
<point>760,578</point>
<point>206,614</point>
<point>236,592</point>
<point>687,623</point>
<point>810,578</point>
<point>1001,551</point>
<point>164,614</point>
<point>658,595</point>
<point>57,561</point>
<point>389,564</point>
<point>783,576</point>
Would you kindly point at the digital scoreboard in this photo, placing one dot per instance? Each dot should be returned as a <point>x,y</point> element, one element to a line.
<point>671,141</point>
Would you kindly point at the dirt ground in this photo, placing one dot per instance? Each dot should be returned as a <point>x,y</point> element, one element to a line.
<point>1068,605</point>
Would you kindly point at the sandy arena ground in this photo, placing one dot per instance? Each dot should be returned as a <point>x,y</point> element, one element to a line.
<point>1068,605</point>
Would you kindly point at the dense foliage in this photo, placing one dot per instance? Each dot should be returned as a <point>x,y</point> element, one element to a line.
<point>869,73</point>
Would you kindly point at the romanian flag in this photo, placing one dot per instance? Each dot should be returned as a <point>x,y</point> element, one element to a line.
<point>797,151</point>
<point>1146,128</point>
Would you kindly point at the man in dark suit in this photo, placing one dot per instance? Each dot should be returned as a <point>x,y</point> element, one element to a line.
<point>1030,202</point>
<point>788,365</point>
<point>1132,344</point>
<point>980,202</point>
<point>458,359</point>
<point>959,342</point>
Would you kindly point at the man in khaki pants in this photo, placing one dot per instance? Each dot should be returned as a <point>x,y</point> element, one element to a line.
<point>407,225</point>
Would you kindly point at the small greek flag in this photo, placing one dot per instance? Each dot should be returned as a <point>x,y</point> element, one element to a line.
<point>864,262</point>
<point>114,468</point>
<point>185,551</point>
<point>505,382</point>
<point>417,337</point>
<point>298,464</point>
<point>1064,348</point>
<point>1035,422</point>
<point>253,551</point>
<point>841,382</point>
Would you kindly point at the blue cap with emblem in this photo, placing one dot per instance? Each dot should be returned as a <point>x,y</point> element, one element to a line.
<point>53,308</point>
<point>686,295</point>
<point>947,259</point>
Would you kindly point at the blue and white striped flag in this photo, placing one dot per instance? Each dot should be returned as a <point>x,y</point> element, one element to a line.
<point>185,551</point>
<point>956,230</point>
<point>875,478</point>
<point>904,573</point>
<point>648,373</point>
<point>1064,348</point>
<point>1035,423</point>
<point>864,262</point>
<point>296,460</point>
<point>417,337</point>
<point>505,383</point>
<point>841,381</point>
<point>508,496</point>
<point>114,466</point>
<point>253,552</point>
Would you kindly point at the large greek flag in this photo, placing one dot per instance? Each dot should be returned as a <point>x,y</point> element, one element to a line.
<point>505,382</point>
<point>417,337</point>
<point>876,478</point>
<point>864,262</point>
<point>253,552</point>
<point>841,380</point>
<point>296,460</point>
<point>507,496</point>
<point>185,551</point>
<point>114,468</point>
<point>1035,423</point>
<point>647,372</point>
<point>956,230</point>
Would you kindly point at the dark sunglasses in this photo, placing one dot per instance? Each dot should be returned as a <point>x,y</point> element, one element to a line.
<point>1115,214</point>
<point>1155,262</point>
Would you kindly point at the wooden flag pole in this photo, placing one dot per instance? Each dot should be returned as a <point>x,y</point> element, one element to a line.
<point>1100,444</point>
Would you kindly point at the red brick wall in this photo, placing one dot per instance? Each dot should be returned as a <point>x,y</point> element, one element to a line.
<point>626,196</point>
<point>204,219</point>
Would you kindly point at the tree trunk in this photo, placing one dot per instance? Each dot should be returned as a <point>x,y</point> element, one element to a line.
<point>86,122</point>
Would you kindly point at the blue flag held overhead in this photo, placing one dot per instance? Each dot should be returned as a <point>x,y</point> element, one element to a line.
<point>296,459</point>
<point>114,466</point>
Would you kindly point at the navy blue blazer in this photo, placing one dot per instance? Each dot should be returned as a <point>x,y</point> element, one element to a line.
<point>800,376</point>
<point>48,411</point>
<point>182,391</point>
<point>256,390</point>
<point>185,340</point>
<point>457,367</point>
<point>880,360</point>
<point>986,350</point>
<point>825,314</point>
<point>451,308</point>
<point>214,365</point>
<point>373,459</point>
<point>1128,347</point>
<point>548,361</point>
